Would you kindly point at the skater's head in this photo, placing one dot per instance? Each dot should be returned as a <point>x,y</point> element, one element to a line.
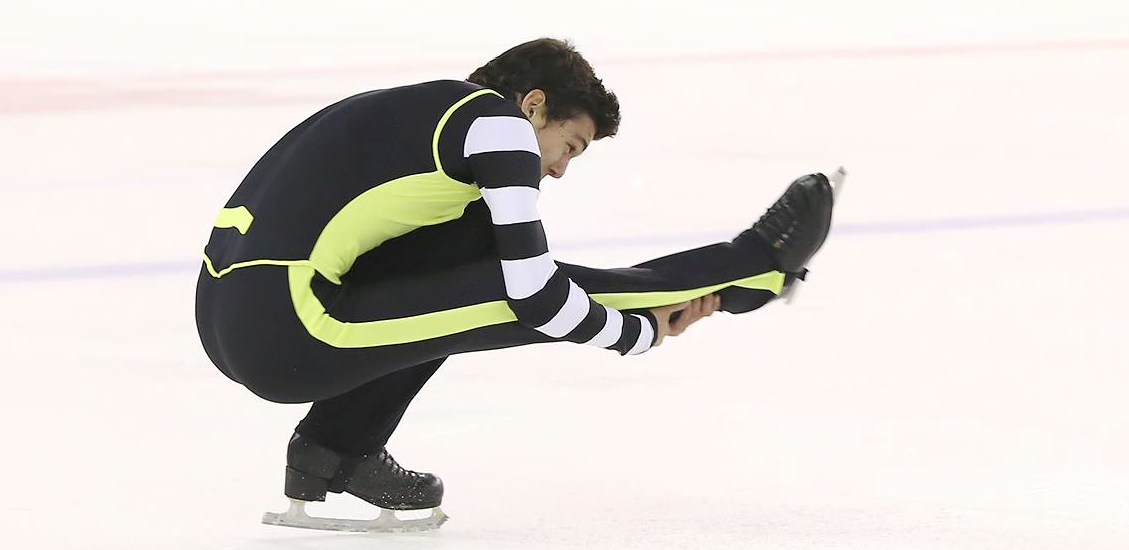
<point>559,92</point>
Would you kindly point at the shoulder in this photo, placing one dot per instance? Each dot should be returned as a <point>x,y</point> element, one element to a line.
<point>479,110</point>
<point>475,100</point>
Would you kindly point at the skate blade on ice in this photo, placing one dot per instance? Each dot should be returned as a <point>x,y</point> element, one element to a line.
<point>836,178</point>
<point>387,522</point>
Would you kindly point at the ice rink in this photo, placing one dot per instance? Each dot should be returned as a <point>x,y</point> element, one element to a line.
<point>954,375</point>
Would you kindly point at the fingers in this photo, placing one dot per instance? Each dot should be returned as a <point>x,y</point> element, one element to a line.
<point>713,302</point>
<point>697,309</point>
<point>674,319</point>
<point>690,314</point>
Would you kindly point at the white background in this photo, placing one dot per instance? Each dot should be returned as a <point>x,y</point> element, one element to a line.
<point>952,376</point>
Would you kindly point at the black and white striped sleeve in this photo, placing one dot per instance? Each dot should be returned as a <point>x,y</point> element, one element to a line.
<point>505,161</point>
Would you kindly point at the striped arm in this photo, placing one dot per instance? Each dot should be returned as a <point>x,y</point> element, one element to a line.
<point>505,160</point>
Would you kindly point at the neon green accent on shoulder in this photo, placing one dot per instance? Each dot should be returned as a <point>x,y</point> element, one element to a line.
<point>228,269</point>
<point>239,218</point>
<point>415,328</point>
<point>392,209</point>
<point>384,212</point>
<point>443,122</point>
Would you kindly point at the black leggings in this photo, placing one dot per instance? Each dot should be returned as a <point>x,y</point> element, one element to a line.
<point>249,329</point>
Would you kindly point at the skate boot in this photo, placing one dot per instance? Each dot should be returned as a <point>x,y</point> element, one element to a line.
<point>312,470</point>
<point>795,227</point>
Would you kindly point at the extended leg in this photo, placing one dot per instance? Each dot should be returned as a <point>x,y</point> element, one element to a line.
<point>369,327</point>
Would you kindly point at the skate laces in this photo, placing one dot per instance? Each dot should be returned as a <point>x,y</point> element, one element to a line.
<point>396,468</point>
<point>780,223</point>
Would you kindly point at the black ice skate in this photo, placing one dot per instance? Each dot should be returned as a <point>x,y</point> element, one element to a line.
<point>312,470</point>
<point>795,227</point>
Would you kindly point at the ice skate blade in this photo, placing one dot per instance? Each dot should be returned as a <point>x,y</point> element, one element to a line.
<point>387,522</point>
<point>837,178</point>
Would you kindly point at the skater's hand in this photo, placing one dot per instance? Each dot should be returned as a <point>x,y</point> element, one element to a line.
<point>674,319</point>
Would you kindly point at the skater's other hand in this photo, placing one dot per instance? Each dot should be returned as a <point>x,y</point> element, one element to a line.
<point>674,319</point>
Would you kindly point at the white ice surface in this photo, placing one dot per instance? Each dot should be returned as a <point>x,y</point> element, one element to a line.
<point>953,376</point>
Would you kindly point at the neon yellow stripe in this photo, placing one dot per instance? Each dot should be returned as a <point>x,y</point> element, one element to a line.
<point>390,331</point>
<point>443,122</point>
<point>443,323</point>
<point>229,269</point>
<point>773,281</point>
<point>239,218</point>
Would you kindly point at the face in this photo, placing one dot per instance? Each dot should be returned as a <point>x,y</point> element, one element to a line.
<point>560,141</point>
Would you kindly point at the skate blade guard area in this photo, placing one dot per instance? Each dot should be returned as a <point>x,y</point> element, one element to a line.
<point>386,522</point>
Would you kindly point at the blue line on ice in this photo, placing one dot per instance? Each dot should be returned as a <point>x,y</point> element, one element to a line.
<point>141,269</point>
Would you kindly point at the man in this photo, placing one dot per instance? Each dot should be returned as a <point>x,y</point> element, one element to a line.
<point>398,227</point>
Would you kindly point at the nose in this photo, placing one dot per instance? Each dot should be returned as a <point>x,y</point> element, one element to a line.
<point>558,168</point>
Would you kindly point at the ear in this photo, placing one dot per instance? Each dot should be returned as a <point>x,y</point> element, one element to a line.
<point>533,105</point>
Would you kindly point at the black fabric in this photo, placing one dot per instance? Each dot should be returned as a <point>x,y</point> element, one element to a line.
<point>360,421</point>
<point>521,240</point>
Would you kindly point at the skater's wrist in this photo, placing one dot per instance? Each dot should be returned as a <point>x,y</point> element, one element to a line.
<point>650,317</point>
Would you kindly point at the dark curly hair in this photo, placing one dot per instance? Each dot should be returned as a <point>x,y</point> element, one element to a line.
<point>555,67</point>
